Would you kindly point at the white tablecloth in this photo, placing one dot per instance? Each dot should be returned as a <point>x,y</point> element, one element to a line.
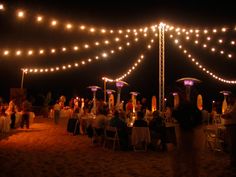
<point>140,134</point>
<point>5,124</point>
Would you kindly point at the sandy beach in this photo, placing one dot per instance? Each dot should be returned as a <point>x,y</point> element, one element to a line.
<point>47,150</point>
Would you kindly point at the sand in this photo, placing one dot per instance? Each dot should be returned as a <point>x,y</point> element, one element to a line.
<point>47,150</point>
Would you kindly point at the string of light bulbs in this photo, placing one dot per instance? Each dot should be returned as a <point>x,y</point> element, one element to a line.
<point>207,30</point>
<point>134,65</point>
<point>41,19</point>
<point>199,65</point>
<point>104,54</point>
<point>64,49</point>
<point>205,45</point>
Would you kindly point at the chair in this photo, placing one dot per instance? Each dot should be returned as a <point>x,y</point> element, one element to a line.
<point>140,138</point>
<point>97,137</point>
<point>213,139</point>
<point>111,135</point>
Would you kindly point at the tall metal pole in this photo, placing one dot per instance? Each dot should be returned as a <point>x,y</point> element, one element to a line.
<point>161,67</point>
<point>22,79</point>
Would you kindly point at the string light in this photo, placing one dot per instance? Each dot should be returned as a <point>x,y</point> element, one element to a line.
<point>68,49</point>
<point>209,38</point>
<point>204,69</point>
<point>83,62</point>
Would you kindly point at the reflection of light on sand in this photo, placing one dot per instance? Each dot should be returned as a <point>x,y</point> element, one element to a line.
<point>51,151</point>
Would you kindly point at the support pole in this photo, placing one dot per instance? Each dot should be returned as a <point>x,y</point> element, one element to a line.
<point>22,79</point>
<point>161,67</point>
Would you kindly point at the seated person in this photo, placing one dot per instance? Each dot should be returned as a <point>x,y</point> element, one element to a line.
<point>157,130</point>
<point>140,122</point>
<point>100,121</point>
<point>118,121</point>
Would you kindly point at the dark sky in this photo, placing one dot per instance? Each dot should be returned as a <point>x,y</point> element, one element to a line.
<point>15,34</point>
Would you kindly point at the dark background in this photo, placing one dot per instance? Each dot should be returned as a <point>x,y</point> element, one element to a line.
<point>26,34</point>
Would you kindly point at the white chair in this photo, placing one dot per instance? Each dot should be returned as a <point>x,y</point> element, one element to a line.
<point>111,135</point>
<point>140,138</point>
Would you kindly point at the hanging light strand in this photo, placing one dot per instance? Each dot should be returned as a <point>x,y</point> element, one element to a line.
<point>104,54</point>
<point>199,65</point>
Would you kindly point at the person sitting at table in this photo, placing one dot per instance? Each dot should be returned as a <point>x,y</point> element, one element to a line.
<point>140,122</point>
<point>158,131</point>
<point>100,121</point>
<point>118,121</point>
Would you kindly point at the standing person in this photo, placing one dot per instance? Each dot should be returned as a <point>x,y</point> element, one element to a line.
<point>230,124</point>
<point>57,108</point>
<point>26,108</point>
<point>185,157</point>
<point>12,110</point>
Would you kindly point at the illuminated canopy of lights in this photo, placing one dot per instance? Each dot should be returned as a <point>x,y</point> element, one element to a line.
<point>195,35</point>
<point>200,66</point>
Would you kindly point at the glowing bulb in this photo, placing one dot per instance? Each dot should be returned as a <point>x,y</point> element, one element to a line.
<point>205,31</point>
<point>111,31</point>
<point>1,7</point>
<point>75,48</point>
<point>82,27</point>
<point>222,52</point>
<point>112,51</point>
<point>92,30</point>
<point>196,42</point>
<point>104,55</point>
<point>214,30</point>
<point>136,39</point>
<point>41,51</point>
<point>230,55</point>
<point>103,31</point>
<point>126,36</point>
<point>76,64</point>
<point>68,26</point>
<point>86,46</point>
<point>232,42</point>
<point>57,68</point>
<point>204,45</point>
<point>213,49</point>
<point>120,31</point>
<point>53,50</point>
<point>117,39</point>
<point>6,52</point>
<point>39,18</point>
<point>63,49</point>
<point>208,38</point>
<point>21,14</point>
<point>187,37</point>
<point>18,52</point>
<point>89,60</point>
<point>127,43</point>
<point>223,29</point>
<point>30,52</point>
<point>120,48</point>
<point>97,43</point>
<point>176,41</point>
<point>149,46</point>
<point>220,41</point>
<point>54,23</point>
<point>106,42</point>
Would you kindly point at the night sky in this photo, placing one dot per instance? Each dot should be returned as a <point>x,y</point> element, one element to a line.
<point>26,34</point>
